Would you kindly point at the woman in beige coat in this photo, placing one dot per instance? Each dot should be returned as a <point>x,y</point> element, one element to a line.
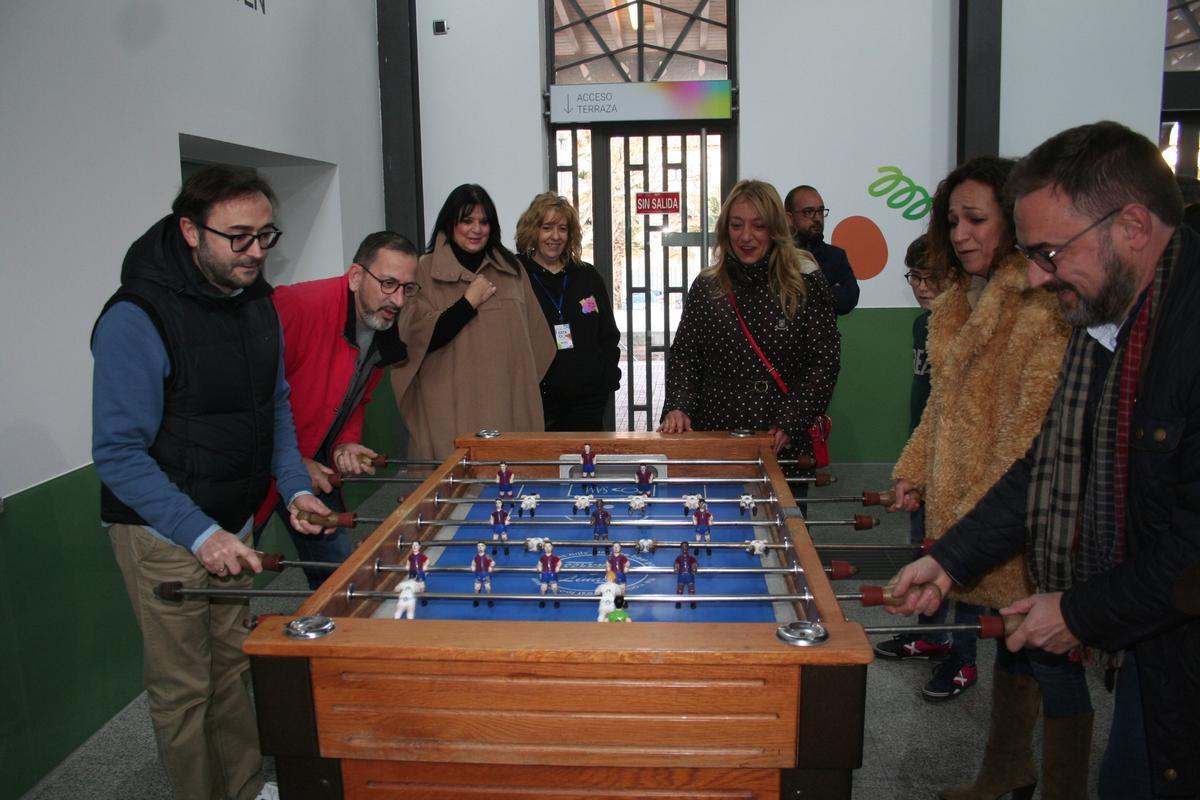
<point>994,350</point>
<point>478,343</point>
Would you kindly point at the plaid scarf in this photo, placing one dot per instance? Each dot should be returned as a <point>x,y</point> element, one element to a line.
<point>1074,529</point>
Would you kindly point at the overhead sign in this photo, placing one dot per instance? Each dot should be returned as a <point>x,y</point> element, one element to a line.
<point>656,100</point>
<point>656,202</point>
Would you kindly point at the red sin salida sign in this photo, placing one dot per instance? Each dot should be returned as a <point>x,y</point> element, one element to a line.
<point>657,202</point>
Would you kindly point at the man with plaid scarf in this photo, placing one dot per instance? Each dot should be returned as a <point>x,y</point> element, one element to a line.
<point>1106,503</point>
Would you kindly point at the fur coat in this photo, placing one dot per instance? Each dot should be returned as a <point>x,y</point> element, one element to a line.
<point>993,371</point>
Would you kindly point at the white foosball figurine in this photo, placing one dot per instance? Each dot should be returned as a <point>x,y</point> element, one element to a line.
<point>691,502</point>
<point>534,543</point>
<point>529,502</point>
<point>637,504</point>
<point>746,503</point>
<point>582,503</point>
<point>756,547</point>
<point>406,600</point>
<point>608,599</point>
<point>645,546</point>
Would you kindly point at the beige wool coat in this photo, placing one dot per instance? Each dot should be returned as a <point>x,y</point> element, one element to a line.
<point>487,376</point>
<point>993,372</point>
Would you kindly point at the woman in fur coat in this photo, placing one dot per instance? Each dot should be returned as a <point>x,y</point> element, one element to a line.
<point>994,349</point>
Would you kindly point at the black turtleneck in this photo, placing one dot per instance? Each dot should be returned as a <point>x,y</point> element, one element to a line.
<point>454,318</point>
<point>749,274</point>
<point>471,261</point>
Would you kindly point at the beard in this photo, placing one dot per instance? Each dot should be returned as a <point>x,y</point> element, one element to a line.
<point>375,320</point>
<point>1112,300</point>
<point>224,275</point>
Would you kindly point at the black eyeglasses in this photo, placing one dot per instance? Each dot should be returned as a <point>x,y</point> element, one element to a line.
<point>813,213</point>
<point>1045,258</point>
<point>240,242</point>
<point>916,279</point>
<point>391,285</point>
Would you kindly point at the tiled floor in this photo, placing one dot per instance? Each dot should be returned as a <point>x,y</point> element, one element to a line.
<point>911,747</point>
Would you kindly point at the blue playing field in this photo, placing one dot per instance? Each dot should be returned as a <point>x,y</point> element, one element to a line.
<point>477,527</point>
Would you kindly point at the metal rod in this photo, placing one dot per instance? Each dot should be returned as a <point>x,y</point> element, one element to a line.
<point>946,628</point>
<point>633,461</point>
<point>796,570</point>
<point>358,594</point>
<point>438,500</point>
<point>610,481</point>
<point>583,543</point>
<point>616,523</point>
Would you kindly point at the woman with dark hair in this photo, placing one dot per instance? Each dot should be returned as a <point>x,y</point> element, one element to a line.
<point>757,345</point>
<point>578,312</point>
<point>478,344</point>
<point>994,349</point>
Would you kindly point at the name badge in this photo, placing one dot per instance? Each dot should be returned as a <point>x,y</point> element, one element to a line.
<point>562,336</point>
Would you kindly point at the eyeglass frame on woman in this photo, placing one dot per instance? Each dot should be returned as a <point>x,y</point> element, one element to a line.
<point>928,280</point>
<point>410,287</point>
<point>1037,255</point>
<point>272,238</point>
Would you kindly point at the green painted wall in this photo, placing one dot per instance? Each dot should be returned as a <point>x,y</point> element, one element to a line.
<point>72,656</point>
<point>870,404</point>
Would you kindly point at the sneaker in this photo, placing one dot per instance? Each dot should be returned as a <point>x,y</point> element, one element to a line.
<point>950,679</point>
<point>902,648</point>
<point>269,791</point>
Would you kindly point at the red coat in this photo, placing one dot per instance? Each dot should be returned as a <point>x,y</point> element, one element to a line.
<point>319,354</point>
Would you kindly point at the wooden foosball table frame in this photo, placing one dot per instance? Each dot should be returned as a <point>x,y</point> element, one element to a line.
<point>458,709</point>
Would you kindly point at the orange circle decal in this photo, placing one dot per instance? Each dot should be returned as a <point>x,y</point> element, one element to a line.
<point>864,245</point>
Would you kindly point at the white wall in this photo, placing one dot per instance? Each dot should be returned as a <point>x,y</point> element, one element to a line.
<point>831,91</point>
<point>1071,62</point>
<point>481,103</point>
<point>93,100</point>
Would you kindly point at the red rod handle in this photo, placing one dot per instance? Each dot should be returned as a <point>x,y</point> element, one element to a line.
<point>822,479</point>
<point>864,522</point>
<point>841,570</point>
<point>992,627</point>
<point>882,595</point>
<point>885,498</point>
<point>344,519</point>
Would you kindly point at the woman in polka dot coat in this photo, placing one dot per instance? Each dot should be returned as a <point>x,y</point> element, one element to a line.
<point>715,380</point>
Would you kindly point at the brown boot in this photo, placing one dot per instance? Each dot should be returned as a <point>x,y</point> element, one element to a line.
<point>1066,750</point>
<point>1008,758</point>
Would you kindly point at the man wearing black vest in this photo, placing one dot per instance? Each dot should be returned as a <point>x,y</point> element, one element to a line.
<point>190,422</point>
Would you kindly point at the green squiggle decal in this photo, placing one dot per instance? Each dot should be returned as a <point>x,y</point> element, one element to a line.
<point>901,192</point>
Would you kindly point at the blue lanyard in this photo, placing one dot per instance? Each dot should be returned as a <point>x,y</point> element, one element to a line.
<point>558,304</point>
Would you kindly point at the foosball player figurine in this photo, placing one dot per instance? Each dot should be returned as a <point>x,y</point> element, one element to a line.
<point>548,566</point>
<point>703,521</point>
<point>756,547</point>
<point>618,565</point>
<point>691,502</point>
<point>588,459</point>
<point>685,572</point>
<point>500,526</point>
<point>482,566</point>
<point>645,480</point>
<point>529,502</point>
<point>416,569</point>
<point>534,543</point>
<point>619,614</point>
<point>608,598</point>
<point>504,482</point>
<point>637,505</point>
<point>746,504</point>
<point>582,503</point>
<point>406,599</point>
<point>645,546</point>
<point>600,520</point>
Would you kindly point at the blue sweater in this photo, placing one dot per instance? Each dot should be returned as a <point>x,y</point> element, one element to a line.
<point>131,365</point>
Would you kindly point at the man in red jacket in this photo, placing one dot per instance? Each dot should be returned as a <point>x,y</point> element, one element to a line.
<point>339,333</point>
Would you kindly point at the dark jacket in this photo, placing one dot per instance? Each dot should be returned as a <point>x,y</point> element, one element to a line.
<point>216,438</point>
<point>592,365</point>
<point>1131,605</point>
<point>715,377</point>
<point>835,266</point>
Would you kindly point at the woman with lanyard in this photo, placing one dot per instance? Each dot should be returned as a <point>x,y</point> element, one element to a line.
<point>757,346</point>
<point>585,371</point>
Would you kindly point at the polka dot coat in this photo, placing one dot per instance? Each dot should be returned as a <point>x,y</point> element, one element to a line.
<point>715,377</point>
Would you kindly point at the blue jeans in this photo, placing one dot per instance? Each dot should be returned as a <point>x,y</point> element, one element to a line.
<point>1125,768</point>
<point>333,547</point>
<point>1062,681</point>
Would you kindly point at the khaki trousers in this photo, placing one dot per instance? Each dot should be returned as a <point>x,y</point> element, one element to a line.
<point>196,676</point>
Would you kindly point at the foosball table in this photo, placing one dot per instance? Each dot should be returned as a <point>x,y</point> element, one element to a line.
<point>743,681</point>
